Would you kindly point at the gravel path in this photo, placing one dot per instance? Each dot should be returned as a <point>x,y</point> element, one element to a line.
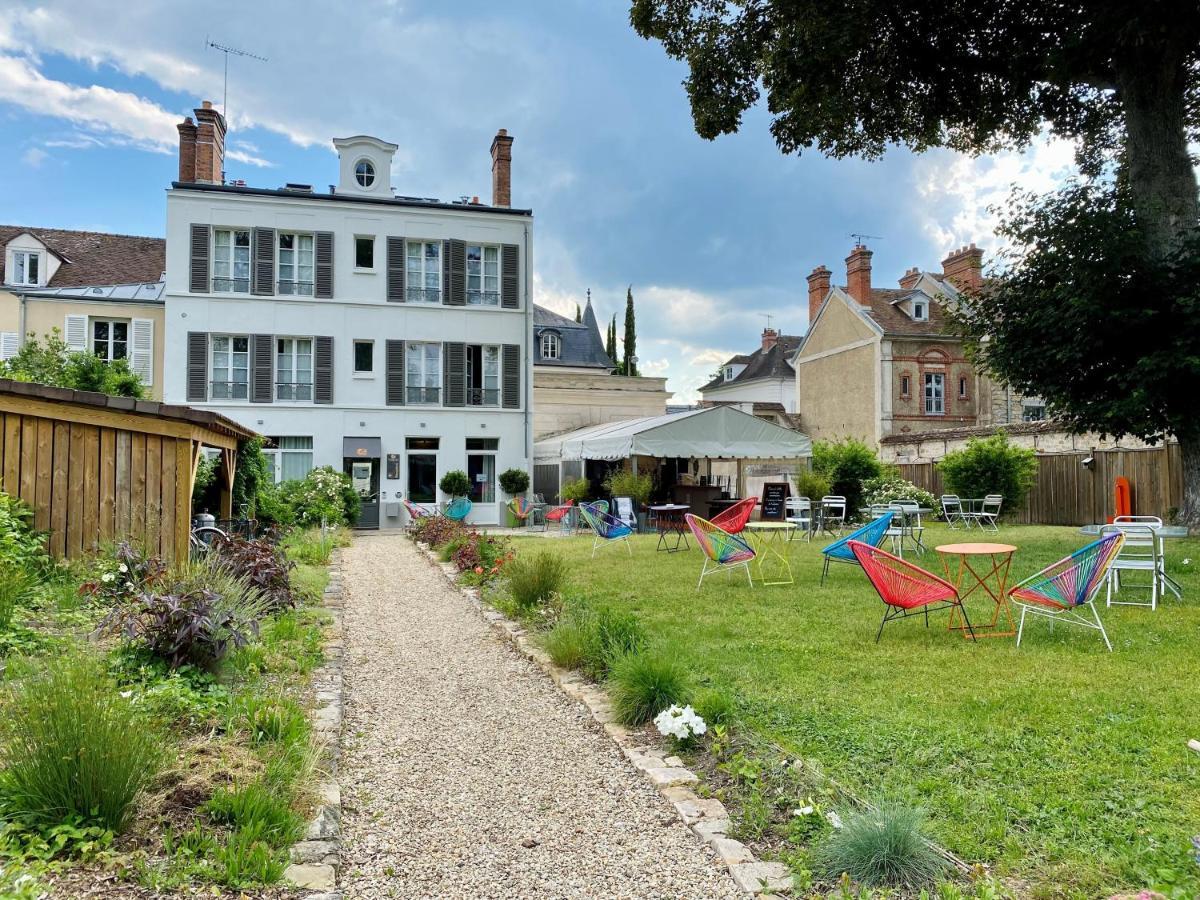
<point>467,774</point>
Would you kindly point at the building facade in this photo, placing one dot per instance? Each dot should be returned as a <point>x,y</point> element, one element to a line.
<point>384,335</point>
<point>762,383</point>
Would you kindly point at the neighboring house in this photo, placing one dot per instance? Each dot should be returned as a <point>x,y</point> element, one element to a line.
<point>878,362</point>
<point>103,292</point>
<point>762,383</point>
<point>385,335</point>
<point>573,384</point>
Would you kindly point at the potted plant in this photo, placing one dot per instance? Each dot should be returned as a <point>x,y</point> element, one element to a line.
<point>455,483</point>
<point>577,490</point>
<point>638,488</point>
<point>513,482</point>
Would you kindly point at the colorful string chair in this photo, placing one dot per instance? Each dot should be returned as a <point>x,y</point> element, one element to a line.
<point>523,508</point>
<point>1060,590</point>
<point>415,513</point>
<point>723,552</point>
<point>457,509</point>
<point>905,588</point>
<point>734,519</point>
<point>872,534</point>
<point>607,529</point>
<point>560,515</point>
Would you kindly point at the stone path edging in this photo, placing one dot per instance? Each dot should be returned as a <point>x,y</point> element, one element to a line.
<point>316,859</point>
<point>706,818</point>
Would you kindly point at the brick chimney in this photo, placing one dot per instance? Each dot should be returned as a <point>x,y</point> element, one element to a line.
<point>858,274</point>
<point>770,337</point>
<point>964,268</point>
<point>210,145</point>
<point>502,169</point>
<point>910,279</point>
<point>818,290</point>
<point>187,150</point>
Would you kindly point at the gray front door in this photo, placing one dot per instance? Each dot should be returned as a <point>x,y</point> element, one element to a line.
<point>364,476</point>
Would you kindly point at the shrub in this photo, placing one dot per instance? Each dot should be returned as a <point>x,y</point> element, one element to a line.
<point>577,490</point>
<point>74,747</point>
<point>437,531</point>
<point>886,848</point>
<point>188,627</point>
<point>811,484</point>
<point>323,496</point>
<point>846,464</point>
<point>623,483</point>
<point>990,466</point>
<point>275,720</point>
<point>534,578</point>
<point>125,574</point>
<point>258,809</point>
<point>567,642</point>
<point>715,707</point>
<point>263,565</point>
<point>48,360</point>
<point>644,684</point>
<point>889,487</point>
<point>455,483</point>
<point>514,481</point>
<point>612,634</point>
<point>16,587</point>
<point>21,547</point>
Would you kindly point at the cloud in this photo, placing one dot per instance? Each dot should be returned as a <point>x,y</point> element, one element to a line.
<point>34,157</point>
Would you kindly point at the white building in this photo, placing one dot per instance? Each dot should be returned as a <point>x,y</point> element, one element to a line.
<point>385,335</point>
<point>762,383</point>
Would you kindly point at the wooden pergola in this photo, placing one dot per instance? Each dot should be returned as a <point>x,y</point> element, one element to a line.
<point>97,469</point>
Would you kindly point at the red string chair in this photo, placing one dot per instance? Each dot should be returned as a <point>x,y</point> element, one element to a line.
<point>734,519</point>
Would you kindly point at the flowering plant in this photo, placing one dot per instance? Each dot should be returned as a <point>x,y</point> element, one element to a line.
<point>126,574</point>
<point>683,724</point>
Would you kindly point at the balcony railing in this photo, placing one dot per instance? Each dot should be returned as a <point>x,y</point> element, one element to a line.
<point>416,395</point>
<point>228,390</point>
<point>225,285</point>
<point>483,397</point>
<point>293,391</point>
<point>423,295</point>
<point>483,298</point>
<point>297,288</point>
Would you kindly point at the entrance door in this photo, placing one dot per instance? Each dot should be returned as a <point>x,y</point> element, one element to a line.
<point>364,477</point>
<point>481,470</point>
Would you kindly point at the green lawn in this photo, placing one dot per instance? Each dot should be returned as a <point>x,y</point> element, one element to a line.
<point>1062,766</point>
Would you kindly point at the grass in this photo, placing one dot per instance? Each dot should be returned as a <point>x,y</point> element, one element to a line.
<point>882,848</point>
<point>644,684</point>
<point>1059,764</point>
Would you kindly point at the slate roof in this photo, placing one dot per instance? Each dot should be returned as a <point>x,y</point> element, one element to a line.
<point>770,364</point>
<point>93,257</point>
<point>581,343</point>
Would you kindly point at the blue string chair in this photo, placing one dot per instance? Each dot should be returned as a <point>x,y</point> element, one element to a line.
<point>458,509</point>
<point>723,550</point>
<point>606,529</point>
<point>871,534</point>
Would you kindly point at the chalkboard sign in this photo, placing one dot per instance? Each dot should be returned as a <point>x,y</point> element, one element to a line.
<point>774,501</point>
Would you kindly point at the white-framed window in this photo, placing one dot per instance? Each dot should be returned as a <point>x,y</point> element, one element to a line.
<point>551,345</point>
<point>423,372</point>
<point>293,368</point>
<point>364,251</point>
<point>229,367</point>
<point>423,271</point>
<point>364,357</point>
<point>920,310</point>
<point>289,458</point>
<point>483,375</point>
<point>935,394</point>
<point>110,338</point>
<point>364,173</point>
<point>729,373</point>
<point>27,268</point>
<point>483,275</point>
<point>295,263</point>
<point>231,260</point>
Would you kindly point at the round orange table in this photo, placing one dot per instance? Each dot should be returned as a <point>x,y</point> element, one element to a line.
<point>987,565</point>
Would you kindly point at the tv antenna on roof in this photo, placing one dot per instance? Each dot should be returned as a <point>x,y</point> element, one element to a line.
<point>236,52</point>
<point>859,237</point>
<point>768,317</point>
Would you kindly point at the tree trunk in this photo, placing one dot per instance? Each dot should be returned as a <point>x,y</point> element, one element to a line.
<point>1189,454</point>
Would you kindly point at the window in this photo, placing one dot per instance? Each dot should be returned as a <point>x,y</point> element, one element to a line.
<point>364,357</point>
<point>422,469</point>
<point>289,458</point>
<point>26,268</point>
<point>364,173</point>
<point>230,367</point>
<point>483,375</point>
<point>423,271</point>
<point>729,373</point>
<point>110,339</point>
<point>1033,411</point>
<point>364,253</point>
<point>483,276</point>
<point>293,368</point>
<point>231,261</point>
<point>920,311</point>
<point>551,345</point>
<point>962,388</point>
<point>483,443</point>
<point>296,264</point>
<point>935,394</point>
<point>905,385</point>
<point>423,372</point>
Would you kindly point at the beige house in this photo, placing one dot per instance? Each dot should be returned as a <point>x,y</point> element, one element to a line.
<point>573,384</point>
<point>103,292</point>
<point>878,362</point>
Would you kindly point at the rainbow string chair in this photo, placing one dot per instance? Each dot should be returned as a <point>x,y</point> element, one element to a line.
<point>734,519</point>
<point>415,513</point>
<point>871,534</point>
<point>905,588</point>
<point>457,509</point>
<point>522,508</point>
<point>1060,590</point>
<point>607,529</point>
<point>723,552</point>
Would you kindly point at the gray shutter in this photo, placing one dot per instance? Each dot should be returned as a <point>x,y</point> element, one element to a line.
<point>323,265</point>
<point>510,268</point>
<point>394,372</point>
<point>198,274</point>
<point>323,370</point>
<point>395,272</point>
<point>197,366</point>
<point>510,376</point>
<point>263,271</point>
<point>262,368</point>
<point>454,374</point>
<point>454,273</point>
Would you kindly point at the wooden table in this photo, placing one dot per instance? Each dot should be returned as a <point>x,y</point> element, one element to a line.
<point>993,581</point>
<point>766,538</point>
<point>668,520</point>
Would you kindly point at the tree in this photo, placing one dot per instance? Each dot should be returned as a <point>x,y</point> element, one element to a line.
<point>990,466</point>
<point>629,343</point>
<point>610,345</point>
<point>578,313</point>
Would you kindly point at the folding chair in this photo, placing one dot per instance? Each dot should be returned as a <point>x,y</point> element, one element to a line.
<point>905,588</point>
<point>952,511</point>
<point>733,520</point>
<point>625,511</point>
<point>723,550</point>
<point>606,529</point>
<point>873,534</point>
<point>799,512</point>
<point>834,514</point>
<point>989,513</point>
<point>1141,552</point>
<point>910,524</point>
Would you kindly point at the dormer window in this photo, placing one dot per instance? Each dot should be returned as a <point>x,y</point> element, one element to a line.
<point>364,173</point>
<point>551,345</point>
<point>27,268</point>
<point>920,311</point>
<point>729,373</point>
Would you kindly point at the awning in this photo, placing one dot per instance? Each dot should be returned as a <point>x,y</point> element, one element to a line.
<point>717,432</point>
<point>362,447</point>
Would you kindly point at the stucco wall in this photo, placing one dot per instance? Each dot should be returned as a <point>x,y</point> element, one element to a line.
<point>836,393</point>
<point>927,448</point>
<point>904,414</point>
<point>566,400</point>
<point>760,390</point>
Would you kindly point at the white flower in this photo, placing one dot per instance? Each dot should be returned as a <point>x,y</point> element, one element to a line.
<point>1187,562</point>
<point>679,723</point>
<point>803,811</point>
<point>123,567</point>
<point>107,577</point>
<point>834,819</point>
<point>126,694</point>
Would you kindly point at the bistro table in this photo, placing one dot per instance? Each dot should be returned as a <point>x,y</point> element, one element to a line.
<point>1161,532</point>
<point>992,581</point>
<point>768,538</point>
<point>668,520</point>
<point>900,522</point>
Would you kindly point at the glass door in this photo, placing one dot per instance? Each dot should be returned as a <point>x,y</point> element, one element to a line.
<point>481,470</point>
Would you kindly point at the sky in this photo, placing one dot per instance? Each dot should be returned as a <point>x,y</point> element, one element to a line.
<point>712,236</point>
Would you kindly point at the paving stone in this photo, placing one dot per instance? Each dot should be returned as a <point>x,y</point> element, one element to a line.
<point>757,877</point>
<point>670,775</point>
<point>316,878</point>
<point>731,851</point>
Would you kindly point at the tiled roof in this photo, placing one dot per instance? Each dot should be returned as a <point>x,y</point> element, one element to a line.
<point>581,345</point>
<point>894,320</point>
<point>93,257</point>
<point>772,363</point>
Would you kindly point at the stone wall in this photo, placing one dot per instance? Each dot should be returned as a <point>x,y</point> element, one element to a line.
<point>564,399</point>
<point>1043,437</point>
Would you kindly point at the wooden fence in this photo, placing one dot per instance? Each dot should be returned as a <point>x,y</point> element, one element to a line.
<point>97,469</point>
<point>1067,492</point>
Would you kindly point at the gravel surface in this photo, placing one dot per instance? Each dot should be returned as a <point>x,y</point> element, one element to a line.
<point>467,774</point>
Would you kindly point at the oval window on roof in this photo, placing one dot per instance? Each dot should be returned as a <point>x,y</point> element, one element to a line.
<point>364,173</point>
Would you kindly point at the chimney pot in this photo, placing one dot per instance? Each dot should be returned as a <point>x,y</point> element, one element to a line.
<point>964,268</point>
<point>502,169</point>
<point>818,290</point>
<point>770,337</point>
<point>910,279</point>
<point>858,274</point>
<point>210,144</point>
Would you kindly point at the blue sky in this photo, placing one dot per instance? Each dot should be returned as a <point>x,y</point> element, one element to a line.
<point>713,236</point>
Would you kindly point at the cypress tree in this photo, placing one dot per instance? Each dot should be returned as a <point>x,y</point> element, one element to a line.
<point>610,345</point>
<point>578,313</point>
<point>629,345</point>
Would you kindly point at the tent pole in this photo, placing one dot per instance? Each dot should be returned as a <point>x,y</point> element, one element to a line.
<point>633,463</point>
<point>738,492</point>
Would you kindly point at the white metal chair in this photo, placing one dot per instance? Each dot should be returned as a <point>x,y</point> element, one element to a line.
<point>1141,552</point>
<point>834,513</point>
<point>799,512</point>
<point>988,515</point>
<point>1164,583</point>
<point>895,530</point>
<point>952,511</point>
<point>910,523</point>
